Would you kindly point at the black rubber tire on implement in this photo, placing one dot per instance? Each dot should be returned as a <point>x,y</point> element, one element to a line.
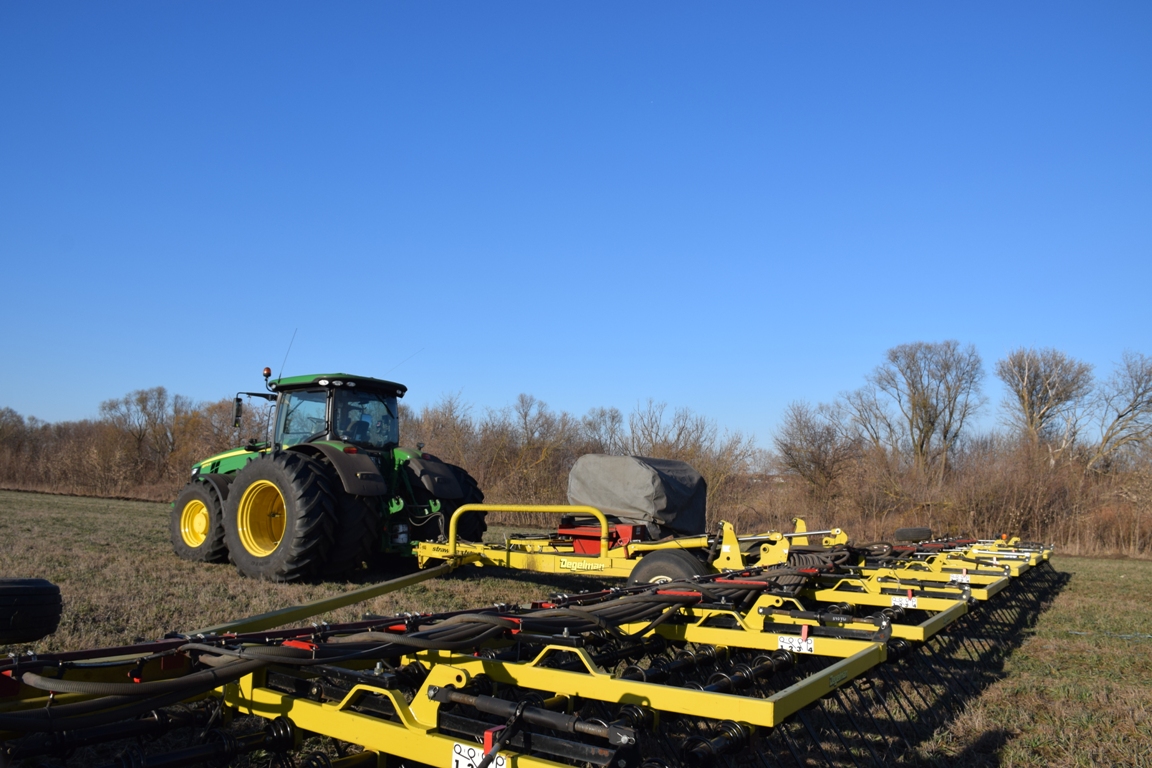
<point>200,502</point>
<point>912,534</point>
<point>357,535</point>
<point>280,518</point>
<point>471,525</point>
<point>29,610</point>
<point>666,565</point>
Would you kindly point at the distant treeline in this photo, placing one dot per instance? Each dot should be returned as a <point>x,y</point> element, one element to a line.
<point>1071,463</point>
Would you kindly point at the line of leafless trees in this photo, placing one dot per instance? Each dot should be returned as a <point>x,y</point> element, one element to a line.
<point>1070,463</point>
<point>144,443</point>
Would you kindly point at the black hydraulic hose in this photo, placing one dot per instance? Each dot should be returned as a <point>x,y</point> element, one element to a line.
<point>377,644</point>
<point>578,613</point>
<point>422,643</point>
<point>156,723</point>
<point>671,611</point>
<point>270,653</point>
<point>452,629</point>
<point>118,700</point>
<point>216,677</point>
<point>75,708</point>
<point>50,719</point>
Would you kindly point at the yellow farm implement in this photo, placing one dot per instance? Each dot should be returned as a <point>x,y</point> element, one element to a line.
<point>770,649</point>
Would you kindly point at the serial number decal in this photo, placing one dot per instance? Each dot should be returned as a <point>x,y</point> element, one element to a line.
<point>580,565</point>
<point>904,602</point>
<point>963,578</point>
<point>470,755</point>
<point>795,644</point>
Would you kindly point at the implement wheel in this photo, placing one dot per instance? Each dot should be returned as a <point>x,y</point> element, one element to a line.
<point>666,565</point>
<point>29,610</point>
<point>196,524</point>
<point>280,518</point>
<point>912,534</point>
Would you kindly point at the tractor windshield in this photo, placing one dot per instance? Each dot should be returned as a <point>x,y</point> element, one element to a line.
<point>302,416</point>
<point>366,418</point>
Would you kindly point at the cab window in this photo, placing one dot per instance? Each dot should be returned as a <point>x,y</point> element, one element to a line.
<point>302,415</point>
<point>366,418</point>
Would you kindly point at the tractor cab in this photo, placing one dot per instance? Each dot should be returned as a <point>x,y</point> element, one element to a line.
<point>357,410</point>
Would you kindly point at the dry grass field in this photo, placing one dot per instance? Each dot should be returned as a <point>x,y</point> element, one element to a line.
<point>1077,692</point>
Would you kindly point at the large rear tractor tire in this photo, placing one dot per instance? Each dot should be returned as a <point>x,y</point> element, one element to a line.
<point>280,518</point>
<point>29,610</point>
<point>666,565</point>
<point>357,535</point>
<point>471,525</point>
<point>196,524</point>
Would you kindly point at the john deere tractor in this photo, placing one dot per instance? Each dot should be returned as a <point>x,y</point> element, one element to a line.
<point>332,490</point>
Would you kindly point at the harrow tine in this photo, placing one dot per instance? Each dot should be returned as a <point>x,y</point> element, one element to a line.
<point>841,699</point>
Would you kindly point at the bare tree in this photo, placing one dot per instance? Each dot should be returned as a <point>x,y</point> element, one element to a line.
<point>691,438</point>
<point>151,418</point>
<point>871,418</point>
<point>604,430</point>
<point>813,444</point>
<point>1047,394</point>
<point>1124,409</point>
<point>936,389</point>
<point>12,429</point>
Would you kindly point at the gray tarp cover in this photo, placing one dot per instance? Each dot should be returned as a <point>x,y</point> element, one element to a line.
<point>638,490</point>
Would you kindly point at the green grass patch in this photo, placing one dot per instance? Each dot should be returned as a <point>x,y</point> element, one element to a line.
<point>121,582</point>
<point>1078,691</point>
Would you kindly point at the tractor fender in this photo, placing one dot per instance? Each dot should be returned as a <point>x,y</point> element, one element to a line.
<point>437,477</point>
<point>357,472</point>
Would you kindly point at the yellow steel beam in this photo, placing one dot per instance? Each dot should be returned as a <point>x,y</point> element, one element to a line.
<point>838,594</point>
<point>835,647</point>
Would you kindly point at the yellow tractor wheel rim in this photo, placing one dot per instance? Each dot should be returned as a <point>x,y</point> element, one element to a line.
<point>194,523</point>
<point>260,518</point>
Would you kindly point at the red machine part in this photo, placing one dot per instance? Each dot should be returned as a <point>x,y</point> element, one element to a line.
<point>586,538</point>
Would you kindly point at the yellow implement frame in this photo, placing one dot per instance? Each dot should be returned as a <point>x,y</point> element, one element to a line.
<point>551,554</point>
<point>414,733</point>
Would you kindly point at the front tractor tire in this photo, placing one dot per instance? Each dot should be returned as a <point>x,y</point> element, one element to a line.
<point>196,524</point>
<point>280,518</point>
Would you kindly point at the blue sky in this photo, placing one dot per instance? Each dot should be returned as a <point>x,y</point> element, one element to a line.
<point>720,206</point>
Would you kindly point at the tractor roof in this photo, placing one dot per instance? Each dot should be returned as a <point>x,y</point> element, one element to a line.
<point>330,379</point>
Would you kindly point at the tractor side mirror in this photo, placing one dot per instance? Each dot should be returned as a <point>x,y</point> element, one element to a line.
<point>237,411</point>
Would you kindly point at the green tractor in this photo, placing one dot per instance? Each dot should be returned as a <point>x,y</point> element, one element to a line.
<point>332,490</point>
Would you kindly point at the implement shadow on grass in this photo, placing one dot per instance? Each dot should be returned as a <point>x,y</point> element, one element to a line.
<point>984,752</point>
<point>891,714</point>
